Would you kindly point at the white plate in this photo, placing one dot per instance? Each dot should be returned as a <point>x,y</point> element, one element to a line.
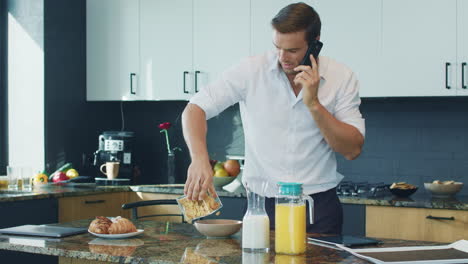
<point>139,231</point>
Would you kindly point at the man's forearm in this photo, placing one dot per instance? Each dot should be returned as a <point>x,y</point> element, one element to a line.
<point>195,128</point>
<point>342,138</point>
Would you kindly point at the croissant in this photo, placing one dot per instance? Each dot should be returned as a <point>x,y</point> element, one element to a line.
<point>100,225</point>
<point>121,225</point>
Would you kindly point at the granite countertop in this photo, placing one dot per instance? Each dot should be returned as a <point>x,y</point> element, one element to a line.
<point>167,243</point>
<point>421,200</point>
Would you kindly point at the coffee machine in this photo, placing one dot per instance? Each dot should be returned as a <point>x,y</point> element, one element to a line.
<point>115,146</point>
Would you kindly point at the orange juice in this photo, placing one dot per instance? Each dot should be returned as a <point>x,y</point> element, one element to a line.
<point>290,228</point>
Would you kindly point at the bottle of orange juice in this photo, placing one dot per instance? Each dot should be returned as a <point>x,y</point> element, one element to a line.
<point>290,218</point>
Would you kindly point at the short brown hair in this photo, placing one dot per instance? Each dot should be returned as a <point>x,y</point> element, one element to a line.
<point>297,17</point>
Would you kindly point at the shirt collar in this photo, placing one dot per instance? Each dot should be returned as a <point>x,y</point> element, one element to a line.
<point>323,65</point>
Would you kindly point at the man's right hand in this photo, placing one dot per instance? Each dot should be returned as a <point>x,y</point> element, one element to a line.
<point>199,180</point>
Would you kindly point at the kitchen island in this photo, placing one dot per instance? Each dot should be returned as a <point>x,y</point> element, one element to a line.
<point>164,242</point>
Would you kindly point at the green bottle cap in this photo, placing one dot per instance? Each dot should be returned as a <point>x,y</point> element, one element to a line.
<point>290,188</point>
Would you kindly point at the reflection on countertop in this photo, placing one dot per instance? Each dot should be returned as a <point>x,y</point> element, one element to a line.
<point>164,242</point>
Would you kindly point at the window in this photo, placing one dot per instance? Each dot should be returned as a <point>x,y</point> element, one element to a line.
<point>3,89</point>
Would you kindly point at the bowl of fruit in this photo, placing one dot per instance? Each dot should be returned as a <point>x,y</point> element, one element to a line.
<point>224,172</point>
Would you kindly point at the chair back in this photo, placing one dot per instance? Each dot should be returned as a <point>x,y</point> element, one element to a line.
<point>134,206</point>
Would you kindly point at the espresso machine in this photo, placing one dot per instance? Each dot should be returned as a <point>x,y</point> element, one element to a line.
<point>115,146</point>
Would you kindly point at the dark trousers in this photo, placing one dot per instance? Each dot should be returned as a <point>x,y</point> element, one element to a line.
<point>328,213</point>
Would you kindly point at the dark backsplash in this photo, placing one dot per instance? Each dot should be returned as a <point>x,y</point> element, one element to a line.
<point>407,139</point>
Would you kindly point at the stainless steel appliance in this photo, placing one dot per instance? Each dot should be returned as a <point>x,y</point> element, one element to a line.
<point>116,146</point>
<point>363,189</point>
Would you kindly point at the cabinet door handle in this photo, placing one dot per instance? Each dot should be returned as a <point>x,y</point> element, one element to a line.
<point>131,83</point>
<point>185,73</point>
<point>447,65</point>
<point>463,75</point>
<point>196,81</point>
<point>95,201</point>
<point>440,218</point>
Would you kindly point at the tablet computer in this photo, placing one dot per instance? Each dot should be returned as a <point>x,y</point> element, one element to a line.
<point>43,230</point>
<point>346,240</point>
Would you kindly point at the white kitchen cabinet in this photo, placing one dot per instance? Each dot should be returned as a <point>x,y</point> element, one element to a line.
<point>351,34</point>
<point>112,50</point>
<point>462,47</point>
<point>183,51</point>
<point>221,37</point>
<point>167,48</point>
<point>419,48</point>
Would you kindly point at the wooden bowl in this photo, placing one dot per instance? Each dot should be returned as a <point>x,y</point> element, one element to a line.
<point>218,227</point>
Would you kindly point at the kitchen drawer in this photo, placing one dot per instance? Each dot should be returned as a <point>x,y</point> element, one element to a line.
<point>157,209</point>
<point>90,206</point>
<point>414,224</point>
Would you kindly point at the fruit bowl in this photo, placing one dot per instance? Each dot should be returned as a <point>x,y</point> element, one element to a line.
<point>218,227</point>
<point>219,182</point>
<point>443,190</point>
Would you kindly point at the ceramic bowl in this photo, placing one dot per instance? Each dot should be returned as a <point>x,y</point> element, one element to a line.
<point>403,192</point>
<point>218,227</point>
<point>443,190</point>
<point>219,182</point>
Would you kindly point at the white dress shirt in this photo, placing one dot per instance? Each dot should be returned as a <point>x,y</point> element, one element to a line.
<point>282,140</point>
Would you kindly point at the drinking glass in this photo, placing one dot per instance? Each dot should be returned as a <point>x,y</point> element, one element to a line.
<point>26,177</point>
<point>13,175</point>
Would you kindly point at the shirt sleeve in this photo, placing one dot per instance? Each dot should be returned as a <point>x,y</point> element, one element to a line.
<point>347,105</point>
<point>228,89</point>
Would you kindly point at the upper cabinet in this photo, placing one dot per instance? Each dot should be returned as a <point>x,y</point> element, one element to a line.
<point>351,34</point>
<point>112,50</point>
<point>419,48</point>
<point>169,50</point>
<point>462,47</point>
<point>221,38</point>
<point>162,50</point>
<point>166,48</point>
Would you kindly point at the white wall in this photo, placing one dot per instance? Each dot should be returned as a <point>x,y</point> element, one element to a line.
<point>25,92</point>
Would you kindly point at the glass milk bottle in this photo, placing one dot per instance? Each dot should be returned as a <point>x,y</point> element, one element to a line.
<point>290,218</point>
<point>255,224</point>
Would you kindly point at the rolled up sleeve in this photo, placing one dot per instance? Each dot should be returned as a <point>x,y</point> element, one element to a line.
<point>347,105</point>
<point>224,92</point>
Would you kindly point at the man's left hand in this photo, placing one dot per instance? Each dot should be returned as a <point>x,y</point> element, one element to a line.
<point>309,78</point>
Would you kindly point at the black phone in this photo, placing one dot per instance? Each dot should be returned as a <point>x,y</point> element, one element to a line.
<point>314,48</point>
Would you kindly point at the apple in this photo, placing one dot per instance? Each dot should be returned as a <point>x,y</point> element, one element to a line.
<point>59,176</point>
<point>232,167</point>
<point>218,166</point>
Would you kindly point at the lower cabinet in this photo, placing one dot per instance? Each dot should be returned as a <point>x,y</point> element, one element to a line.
<point>354,219</point>
<point>437,225</point>
<point>90,206</point>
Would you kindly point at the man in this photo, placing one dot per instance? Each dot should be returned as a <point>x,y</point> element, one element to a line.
<point>295,118</point>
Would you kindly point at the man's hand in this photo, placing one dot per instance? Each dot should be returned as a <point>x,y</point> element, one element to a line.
<point>309,79</point>
<point>199,180</point>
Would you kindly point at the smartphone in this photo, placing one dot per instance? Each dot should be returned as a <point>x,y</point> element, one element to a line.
<point>314,48</point>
